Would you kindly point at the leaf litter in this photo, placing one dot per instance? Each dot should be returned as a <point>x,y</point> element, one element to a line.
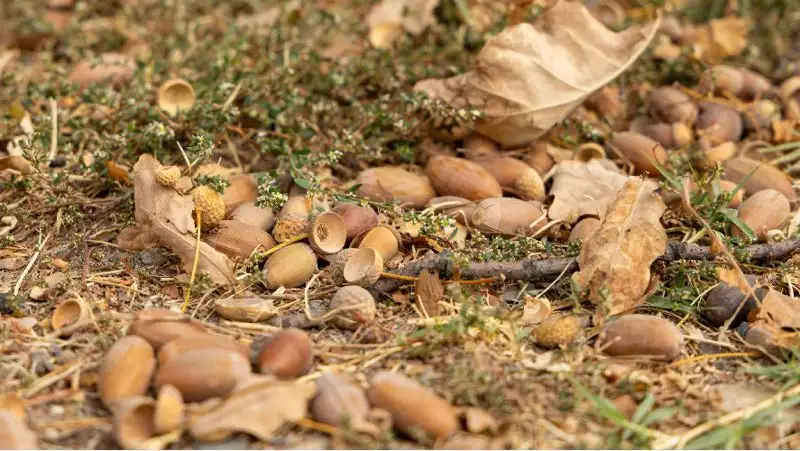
<point>472,352</point>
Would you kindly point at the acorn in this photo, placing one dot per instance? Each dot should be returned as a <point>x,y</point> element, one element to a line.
<point>243,189</point>
<point>290,267</point>
<point>557,330</point>
<point>515,176</point>
<point>507,216</point>
<point>395,184</point>
<point>539,158</point>
<point>412,405</point>
<point>247,309</point>
<point>760,114</point>
<point>607,102</point>
<point>126,370</point>
<point>671,136</point>
<point>328,233</point>
<point>338,402</point>
<point>115,67</point>
<point>169,410</point>
<point>168,176</point>
<point>456,207</point>
<point>363,267</point>
<point>287,354</point>
<point>790,94</point>
<point>160,329</point>
<point>200,341</point>
<point>357,219</point>
<point>672,105</point>
<point>764,176</point>
<point>355,305</point>
<point>718,123</point>
<point>452,176</point>
<point>715,155</point>
<point>210,205</point>
<point>479,146</point>
<point>384,239</point>
<point>249,213</point>
<point>765,210</point>
<point>238,240</point>
<point>641,335</point>
<point>724,300</point>
<point>722,80</point>
<point>204,373</point>
<point>754,84</point>
<point>641,151</point>
<point>176,95</point>
<point>293,220</point>
<point>584,229</point>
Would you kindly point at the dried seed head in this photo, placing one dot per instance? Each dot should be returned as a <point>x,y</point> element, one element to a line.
<point>168,176</point>
<point>210,205</point>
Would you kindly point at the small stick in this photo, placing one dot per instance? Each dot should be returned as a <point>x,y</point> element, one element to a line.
<point>700,358</point>
<point>54,131</point>
<point>274,249</point>
<point>30,265</point>
<point>188,294</point>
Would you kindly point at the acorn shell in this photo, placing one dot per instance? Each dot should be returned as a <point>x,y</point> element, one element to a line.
<point>452,176</point>
<point>328,233</point>
<point>290,267</point>
<point>395,184</point>
<point>363,267</point>
<point>383,239</point>
<point>69,312</point>
<point>507,216</point>
<point>237,239</point>
<point>176,95</point>
<point>132,424</point>
<point>338,262</point>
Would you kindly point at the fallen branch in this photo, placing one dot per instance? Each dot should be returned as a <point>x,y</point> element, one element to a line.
<point>547,269</point>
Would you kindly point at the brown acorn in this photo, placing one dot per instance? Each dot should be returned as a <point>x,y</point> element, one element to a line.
<point>640,151</point>
<point>724,300</point>
<point>243,189</point>
<point>765,176</point>
<point>249,213</point>
<point>204,373</point>
<point>584,229</point>
<point>363,267</point>
<point>291,267</point>
<point>641,335</point>
<point>287,354</point>
<point>357,219</point>
<point>452,176</point>
<point>126,370</point>
<point>671,136</point>
<point>507,216</point>
<point>765,210</point>
<point>238,240</point>
<point>760,114</point>
<point>199,341</point>
<point>672,105</point>
<point>158,331</point>
<point>479,146</point>
<point>557,330</point>
<point>718,123</point>
<point>293,220</point>
<point>514,176</point>
<point>395,184</point>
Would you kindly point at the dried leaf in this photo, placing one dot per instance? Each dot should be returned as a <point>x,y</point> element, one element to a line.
<point>583,189</point>
<point>527,79</point>
<point>536,310</point>
<point>117,172</point>
<point>428,291</point>
<point>720,39</point>
<point>389,18</point>
<point>779,310</point>
<point>17,163</point>
<point>618,256</point>
<point>258,409</point>
<point>734,277</point>
<point>165,214</point>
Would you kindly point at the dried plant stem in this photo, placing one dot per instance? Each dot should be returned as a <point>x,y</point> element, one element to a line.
<point>54,130</point>
<point>701,358</point>
<point>30,265</point>
<point>188,293</point>
<point>549,269</point>
<point>293,240</point>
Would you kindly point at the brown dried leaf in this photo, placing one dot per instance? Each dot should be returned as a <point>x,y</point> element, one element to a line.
<point>17,163</point>
<point>618,256</point>
<point>719,39</point>
<point>583,189</point>
<point>166,214</point>
<point>780,310</point>
<point>527,80</point>
<point>389,18</point>
<point>428,291</point>
<point>258,409</point>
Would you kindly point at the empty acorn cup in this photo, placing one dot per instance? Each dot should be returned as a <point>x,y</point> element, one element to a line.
<point>176,95</point>
<point>384,239</point>
<point>590,151</point>
<point>328,233</point>
<point>133,422</point>
<point>69,312</point>
<point>363,267</point>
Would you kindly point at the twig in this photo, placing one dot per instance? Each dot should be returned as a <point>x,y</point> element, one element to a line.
<point>30,265</point>
<point>188,294</point>
<point>700,358</point>
<point>54,131</point>
<point>274,249</point>
<point>548,269</point>
<point>232,97</point>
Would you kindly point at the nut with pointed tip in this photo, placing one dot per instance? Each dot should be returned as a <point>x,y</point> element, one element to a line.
<point>479,146</point>
<point>395,184</point>
<point>713,156</point>
<point>69,312</point>
<point>453,176</point>
<point>132,424</point>
<point>191,342</point>
<point>158,329</point>
<point>338,401</point>
<point>126,370</point>
<point>717,124</point>
<point>763,211</point>
<point>363,267</point>
<point>293,219</point>
<point>355,307</point>
<point>507,216</point>
<point>456,207</point>
<point>243,189</point>
<point>176,95</point>
<point>760,114</point>
<point>168,176</point>
<point>290,267</point>
<point>204,373</point>
<point>287,355</point>
<point>383,239</point>
<point>210,205</point>
<point>328,233</point>
<point>169,410</point>
<point>249,213</point>
<point>671,136</point>
<point>765,176</point>
<point>641,335</point>
<point>672,105</point>
<point>357,219</point>
<point>722,80</point>
<point>642,152</point>
<point>239,240</point>
<point>515,176</point>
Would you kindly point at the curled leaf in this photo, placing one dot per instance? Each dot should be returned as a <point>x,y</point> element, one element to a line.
<point>528,79</point>
<point>615,261</point>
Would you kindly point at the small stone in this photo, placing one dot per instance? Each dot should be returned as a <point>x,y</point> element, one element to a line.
<point>38,293</point>
<point>58,162</point>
